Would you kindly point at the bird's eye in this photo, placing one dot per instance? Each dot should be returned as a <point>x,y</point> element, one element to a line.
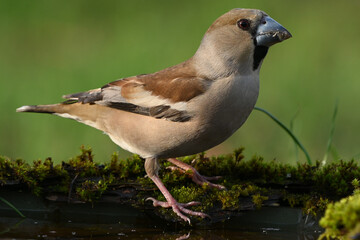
<point>243,24</point>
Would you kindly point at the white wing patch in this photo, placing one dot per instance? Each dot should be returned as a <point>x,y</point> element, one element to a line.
<point>113,94</point>
<point>146,99</point>
<point>141,98</point>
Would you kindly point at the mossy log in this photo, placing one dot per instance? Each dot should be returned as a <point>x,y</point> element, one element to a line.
<point>251,184</point>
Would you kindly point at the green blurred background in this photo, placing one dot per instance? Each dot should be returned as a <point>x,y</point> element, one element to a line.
<point>49,48</point>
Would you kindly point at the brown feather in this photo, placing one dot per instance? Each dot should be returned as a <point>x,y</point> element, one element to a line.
<point>178,83</point>
<point>231,18</point>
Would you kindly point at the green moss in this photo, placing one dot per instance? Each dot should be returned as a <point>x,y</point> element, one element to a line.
<point>126,169</point>
<point>253,180</point>
<point>258,200</point>
<point>315,205</point>
<point>91,191</point>
<point>342,218</point>
<point>230,199</point>
<point>311,203</point>
<point>213,200</point>
<point>37,176</point>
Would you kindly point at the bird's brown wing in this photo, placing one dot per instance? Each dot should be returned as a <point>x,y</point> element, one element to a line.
<point>163,94</point>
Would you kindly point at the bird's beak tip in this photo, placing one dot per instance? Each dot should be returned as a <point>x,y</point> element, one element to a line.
<point>271,32</point>
<point>285,35</point>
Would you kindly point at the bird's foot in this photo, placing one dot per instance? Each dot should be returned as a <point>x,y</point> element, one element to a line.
<point>179,208</point>
<point>195,175</point>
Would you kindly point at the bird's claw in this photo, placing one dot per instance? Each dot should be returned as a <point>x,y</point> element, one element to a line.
<point>201,180</point>
<point>195,175</point>
<point>179,208</point>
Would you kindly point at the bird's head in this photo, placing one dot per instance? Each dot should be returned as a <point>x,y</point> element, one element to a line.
<point>238,41</point>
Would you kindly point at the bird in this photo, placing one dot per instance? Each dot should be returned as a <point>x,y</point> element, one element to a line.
<point>186,108</point>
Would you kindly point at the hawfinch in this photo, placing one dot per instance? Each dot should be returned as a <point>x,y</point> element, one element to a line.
<point>184,109</point>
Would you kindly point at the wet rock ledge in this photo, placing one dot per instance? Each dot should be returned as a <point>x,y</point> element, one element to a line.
<point>257,190</point>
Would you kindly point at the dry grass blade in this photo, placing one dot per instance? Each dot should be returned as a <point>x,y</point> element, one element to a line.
<point>328,148</point>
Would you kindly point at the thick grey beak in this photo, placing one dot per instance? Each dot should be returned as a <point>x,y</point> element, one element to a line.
<point>270,32</point>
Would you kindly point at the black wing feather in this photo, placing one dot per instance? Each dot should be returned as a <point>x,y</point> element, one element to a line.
<point>96,97</point>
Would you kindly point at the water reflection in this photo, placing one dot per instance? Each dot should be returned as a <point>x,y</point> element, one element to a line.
<point>48,220</point>
<point>28,229</point>
<point>183,237</point>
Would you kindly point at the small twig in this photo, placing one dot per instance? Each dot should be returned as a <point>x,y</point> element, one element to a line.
<point>71,186</point>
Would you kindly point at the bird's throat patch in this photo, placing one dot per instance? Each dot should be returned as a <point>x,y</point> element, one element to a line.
<point>259,54</point>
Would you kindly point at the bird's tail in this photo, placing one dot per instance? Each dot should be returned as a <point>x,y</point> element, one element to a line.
<point>84,113</point>
<point>52,108</point>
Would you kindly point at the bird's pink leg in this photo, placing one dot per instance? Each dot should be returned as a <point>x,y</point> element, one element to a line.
<point>196,177</point>
<point>178,208</point>
<point>151,167</point>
